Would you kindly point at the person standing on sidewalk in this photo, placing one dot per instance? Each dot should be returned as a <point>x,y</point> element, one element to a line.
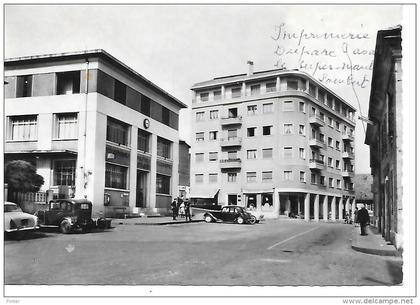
<point>187,210</point>
<point>364,219</point>
<point>174,207</point>
<point>356,221</point>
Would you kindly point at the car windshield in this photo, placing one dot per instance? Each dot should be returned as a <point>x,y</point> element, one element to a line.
<point>11,208</point>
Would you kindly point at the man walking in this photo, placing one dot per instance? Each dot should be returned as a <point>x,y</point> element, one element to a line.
<point>187,210</point>
<point>364,219</point>
<point>174,207</point>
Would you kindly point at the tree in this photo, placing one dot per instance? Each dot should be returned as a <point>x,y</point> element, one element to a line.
<point>21,176</point>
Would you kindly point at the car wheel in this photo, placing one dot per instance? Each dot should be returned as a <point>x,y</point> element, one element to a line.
<point>240,220</point>
<point>253,220</point>
<point>208,218</point>
<point>65,227</point>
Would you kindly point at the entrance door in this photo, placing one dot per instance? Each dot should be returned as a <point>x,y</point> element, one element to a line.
<point>141,189</point>
<point>232,199</point>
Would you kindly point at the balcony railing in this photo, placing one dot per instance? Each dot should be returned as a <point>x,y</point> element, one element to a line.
<point>234,141</point>
<point>231,121</point>
<point>347,136</point>
<point>230,163</point>
<point>348,155</point>
<point>316,120</point>
<point>316,164</point>
<point>316,143</point>
<point>347,173</point>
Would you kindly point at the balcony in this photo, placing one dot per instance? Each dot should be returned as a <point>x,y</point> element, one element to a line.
<point>230,163</point>
<point>348,155</point>
<point>347,137</point>
<point>231,121</point>
<point>316,121</point>
<point>347,173</point>
<point>230,142</point>
<point>316,164</point>
<point>316,143</point>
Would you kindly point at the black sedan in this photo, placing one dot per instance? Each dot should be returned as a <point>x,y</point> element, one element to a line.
<point>230,213</point>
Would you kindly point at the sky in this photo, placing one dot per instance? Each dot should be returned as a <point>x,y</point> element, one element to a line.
<point>175,46</point>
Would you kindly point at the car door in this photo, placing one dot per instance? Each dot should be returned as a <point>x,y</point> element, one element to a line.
<point>224,214</point>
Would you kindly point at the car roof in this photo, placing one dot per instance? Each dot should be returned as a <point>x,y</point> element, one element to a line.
<point>9,203</point>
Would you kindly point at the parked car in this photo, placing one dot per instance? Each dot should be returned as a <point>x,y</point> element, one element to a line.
<point>230,213</point>
<point>70,215</point>
<point>16,220</point>
<point>258,215</point>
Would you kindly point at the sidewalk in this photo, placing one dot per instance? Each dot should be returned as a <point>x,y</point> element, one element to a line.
<point>159,220</point>
<point>373,243</point>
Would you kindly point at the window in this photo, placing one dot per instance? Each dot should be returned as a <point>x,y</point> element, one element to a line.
<point>313,178</point>
<point>338,183</point>
<point>115,176</point>
<point>199,157</point>
<point>232,155</point>
<point>145,105</point>
<point>213,156</point>
<point>212,135</point>
<point>288,128</point>
<point>322,180</point>
<point>199,178</point>
<point>212,178</point>
<point>251,177</point>
<point>330,142</point>
<point>345,129</point>
<point>302,177</point>
<point>267,153</point>
<point>301,106</point>
<point>337,145</point>
<point>232,177</point>
<point>330,182</point>
<point>23,128</point>
<point>199,116</point>
<point>313,111</point>
<point>302,130</point>
<point>337,106</point>
<point>204,97</point>
<point>292,85</point>
<point>251,131</point>
<point>268,108</point>
<point>288,152</point>
<point>164,148</point>
<point>337,164</point>
<point>117,132</point>
<point>321,96</point>
<point>267,130</point>
<point>322,137</point>
<point>337,125</point>
<point>312,90</point>
<point>163,184</point>
<point>120,92</point>
<point>287,175</point>
<point>217,95</point>
<point>64,172</point>
<point>330,101</point>
<point>270,87</point>
<point>251,154</point>
<point>233,113</point>
<point>267,176</point>
<point>214,114</point>
<point>199,136</point>
<point>24,86</point>
<point>330,121</point>
<point>255,89</point>
<point>232,134</point>
<point>322,158</point>
<point>329,162</point>
<point>236,92</point>
<point>69,83</point>
<point>302,153</point>
<point>143,139</point>
<point>252,109</point>
<point>288,106</point>
<point>322,116</point>
<point>66,126</point>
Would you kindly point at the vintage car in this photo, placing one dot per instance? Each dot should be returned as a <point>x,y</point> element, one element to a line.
<point>258,215</point>
<point>16,220</point>
<point>230,213</point>
<point>70,215</point>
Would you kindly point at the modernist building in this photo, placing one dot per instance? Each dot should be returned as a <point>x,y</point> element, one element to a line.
<point>94,128</point>
<point>278,140</point>
<point>384,136</point>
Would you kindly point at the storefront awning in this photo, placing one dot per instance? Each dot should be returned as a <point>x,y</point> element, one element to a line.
<point>204,194</point>
<point>257,191</point>
<point>42,152</point>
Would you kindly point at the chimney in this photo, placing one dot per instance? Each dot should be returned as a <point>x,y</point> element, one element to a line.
<point>250,67</point>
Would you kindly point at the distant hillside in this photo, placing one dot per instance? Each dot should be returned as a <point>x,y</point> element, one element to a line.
<point>362,186</point>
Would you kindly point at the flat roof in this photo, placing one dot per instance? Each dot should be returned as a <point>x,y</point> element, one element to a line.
<point>25,60</point>
<point>232,79</point>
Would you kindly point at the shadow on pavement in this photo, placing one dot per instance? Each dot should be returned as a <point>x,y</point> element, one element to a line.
<point>24,235</point>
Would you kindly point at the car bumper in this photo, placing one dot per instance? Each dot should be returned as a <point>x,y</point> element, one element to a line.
<point>22,229</point>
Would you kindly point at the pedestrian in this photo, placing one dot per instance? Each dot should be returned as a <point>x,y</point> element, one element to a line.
<point>187,208</point>
<point>364,219</point>
<point>174,207</point>
<point>356,221</point>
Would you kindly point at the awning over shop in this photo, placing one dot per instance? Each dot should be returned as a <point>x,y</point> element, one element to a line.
<point>205,194</point>
<point>257,191</point>
<point>42,152</point>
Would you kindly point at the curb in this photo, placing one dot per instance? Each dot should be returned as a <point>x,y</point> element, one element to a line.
<point>158,223</point>
<point>381,252</point>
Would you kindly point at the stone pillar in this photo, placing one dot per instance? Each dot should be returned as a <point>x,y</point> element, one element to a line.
<point>223,95</point>
<point>276,202</point>
<point>151,194</point>
<point>348,206</point>
<point>340,208</point>
<point>288,205</point>
<point>278,83</point>
<point>306,208</point>
<point>133,168</point>
<point>316,208</point>
<point>243,89</point>
<point>325,208</point>
<point>299,201</point>
<point>333,208</point>
<point>353,208</point>
<point>50,195</point>
<point>175,171</point>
